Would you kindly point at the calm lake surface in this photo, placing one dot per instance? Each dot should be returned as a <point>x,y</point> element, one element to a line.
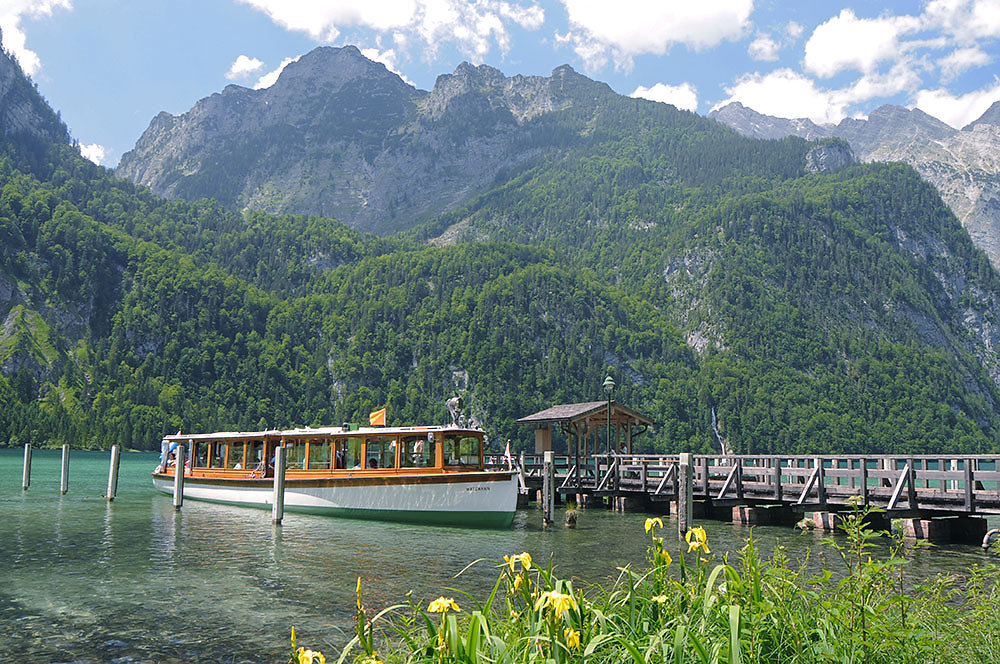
<point>82,580</point>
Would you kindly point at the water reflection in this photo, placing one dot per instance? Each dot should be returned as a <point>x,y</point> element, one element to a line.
<point>82,579</point>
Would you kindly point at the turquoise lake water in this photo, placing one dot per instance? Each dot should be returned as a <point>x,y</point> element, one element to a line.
<point>82,580</point>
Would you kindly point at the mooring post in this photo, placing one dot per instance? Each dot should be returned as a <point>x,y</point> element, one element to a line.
<point>278,504</point>
<point>113,472</point>
<point>64,475</point>
<point>685,493</point>
<point>548,486</point>
<point>179,476</point>
<point>26,475</point>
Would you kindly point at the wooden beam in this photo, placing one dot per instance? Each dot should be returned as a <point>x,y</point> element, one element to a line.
<point>808,487</point>
<point>729,480</point>
<point>904,478</point>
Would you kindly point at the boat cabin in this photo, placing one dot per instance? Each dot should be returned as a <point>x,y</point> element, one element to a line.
<point>335,451</point>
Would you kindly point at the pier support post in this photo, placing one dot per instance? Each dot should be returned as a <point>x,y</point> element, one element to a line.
<point>26,475</point>
<point>278,505</point>
<point>548,488</point>
<point>116,455</point>
<point>685,493</point>
<point>179,476</point>
<point>64,474</point>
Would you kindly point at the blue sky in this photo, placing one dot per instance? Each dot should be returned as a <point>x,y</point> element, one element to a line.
<point>109,66</point>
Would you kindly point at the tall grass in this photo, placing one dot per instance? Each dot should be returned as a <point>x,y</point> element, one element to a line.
<point>700,609</point>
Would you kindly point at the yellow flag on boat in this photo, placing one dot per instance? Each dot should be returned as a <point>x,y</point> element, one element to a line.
<point>377,418</point>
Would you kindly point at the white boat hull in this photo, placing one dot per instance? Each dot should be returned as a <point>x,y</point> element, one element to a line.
<point>486,499</point>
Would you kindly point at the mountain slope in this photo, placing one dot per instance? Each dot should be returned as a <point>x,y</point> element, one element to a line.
<point>730,290</point>
<point>962,165</point>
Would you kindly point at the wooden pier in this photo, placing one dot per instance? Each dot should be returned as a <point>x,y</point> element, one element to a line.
<point>938,497</point>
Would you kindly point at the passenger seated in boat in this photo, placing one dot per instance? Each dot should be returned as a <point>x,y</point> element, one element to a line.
<point>373,463</point>
<point>339,459</point>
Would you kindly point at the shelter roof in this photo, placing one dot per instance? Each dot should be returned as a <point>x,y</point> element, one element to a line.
<point>570,412</point>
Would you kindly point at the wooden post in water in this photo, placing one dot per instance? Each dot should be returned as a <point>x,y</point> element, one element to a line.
<point>548,489</point>
<point>26,475</point>
<point>64,475</point>
<point>278,505</point>
<point>685,493</point>
<point>116,455</point>
<point>179,476</point>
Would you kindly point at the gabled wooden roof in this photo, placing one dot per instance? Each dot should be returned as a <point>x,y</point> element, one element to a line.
<point>569,412</point>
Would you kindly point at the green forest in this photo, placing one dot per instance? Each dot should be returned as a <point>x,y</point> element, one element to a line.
<point>706,272</point>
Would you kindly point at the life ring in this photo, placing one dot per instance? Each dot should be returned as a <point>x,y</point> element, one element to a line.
<point>990,536</point>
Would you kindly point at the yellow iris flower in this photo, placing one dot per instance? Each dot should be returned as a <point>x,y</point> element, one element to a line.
<point>696,538</point>
<point>664,555</point>
<point>303,656</point>
<point>654,522</point>
<point>659,599</point>
<point>523,558</point>
<point>559,602</point>
<point>442,605</point>
<point>357,593</point>
<point>572,638</point>
<point>371,659</point>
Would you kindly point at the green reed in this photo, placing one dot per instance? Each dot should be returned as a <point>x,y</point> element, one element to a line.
<point>703,610</point>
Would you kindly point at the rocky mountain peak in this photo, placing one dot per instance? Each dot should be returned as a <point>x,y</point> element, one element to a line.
<point>328,69</point>
<point>751,123</point>
<point>990,117</point>
<point>523,97</point>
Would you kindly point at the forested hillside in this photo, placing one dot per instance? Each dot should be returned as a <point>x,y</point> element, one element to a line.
<point>707,272</point>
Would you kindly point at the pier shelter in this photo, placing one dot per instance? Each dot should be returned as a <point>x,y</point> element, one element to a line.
<point>583,423</point>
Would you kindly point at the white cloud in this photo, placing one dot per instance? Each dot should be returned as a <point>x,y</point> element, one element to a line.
<point>14,40</point>
<point>243,67</point>
<point>789,94</point>
<point>794,30</point>
<point>960,110</point>
<point>474,27</point>
<point>848,42</point>
<point>786,94</point>
<point>964,20</point>
<point>962,59</point>
<point>763,48</point>
<point>634,27</point>
<point>683,96</point>
<point>93,152</point>
<point>268,79</point>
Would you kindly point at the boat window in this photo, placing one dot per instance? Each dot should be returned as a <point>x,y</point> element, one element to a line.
<point>201,455</point>
<point>295,455</point>
<point>381,453</point>
<point>255,455</point>
<point>235,456</point>
<point>417,451</point>
<point>461,450</point>
<point>348,453</point>
<point>218,455</point>
<point>319,455</point>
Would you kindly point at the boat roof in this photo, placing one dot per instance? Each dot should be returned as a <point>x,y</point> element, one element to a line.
<point>318,432</point>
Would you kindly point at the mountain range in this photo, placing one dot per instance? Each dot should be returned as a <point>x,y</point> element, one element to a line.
<point>533,235</point>
<point>964,165</point>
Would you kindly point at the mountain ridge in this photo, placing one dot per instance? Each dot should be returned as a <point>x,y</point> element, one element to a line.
<point>962,164</point>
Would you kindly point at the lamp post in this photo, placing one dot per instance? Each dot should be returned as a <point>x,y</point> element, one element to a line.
<point>609,386</point>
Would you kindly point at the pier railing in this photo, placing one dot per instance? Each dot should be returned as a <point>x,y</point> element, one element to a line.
<point>953,484</point>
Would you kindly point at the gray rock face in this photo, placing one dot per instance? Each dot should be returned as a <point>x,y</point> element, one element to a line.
<point>339,135</point>
<point>829,157</point>
<point>963,165</point>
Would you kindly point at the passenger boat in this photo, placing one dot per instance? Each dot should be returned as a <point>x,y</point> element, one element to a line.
<point>431,474</point>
